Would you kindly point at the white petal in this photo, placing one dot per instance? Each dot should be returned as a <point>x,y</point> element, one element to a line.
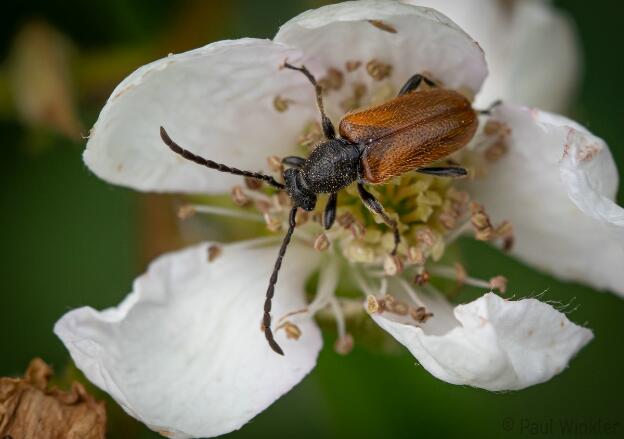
<point>216,101</point>
<point>425,41</point>
<point>184,352</point>
<point>491,343</point>
<point>531,49</point>
<point>556,185</point>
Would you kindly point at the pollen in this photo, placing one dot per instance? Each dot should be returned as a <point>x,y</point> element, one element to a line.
<point>378,70</point>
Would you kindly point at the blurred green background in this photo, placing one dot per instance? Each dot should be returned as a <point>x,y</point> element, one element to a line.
<point>68,239</point>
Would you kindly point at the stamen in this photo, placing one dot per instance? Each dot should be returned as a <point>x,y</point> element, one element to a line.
<point>328,280</point>
<point>215,210</point>
<point>497,282</point>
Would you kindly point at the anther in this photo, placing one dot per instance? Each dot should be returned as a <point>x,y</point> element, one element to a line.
<point>281,104</point>
<point>352,66</point>
<point>275,163</point>
<point>393,265</point>
<point>422,278</point>
<point>253,184</point>
<point>415,255</point>
<point>239,197</point>
<point>187,211</point>
<point>372,304</point>
<point>378,70</point>
<point>272,223</point>
<point>321,242</point>
<point>332,81</point>
<point>214,251</point>
<point>420,314</point>
<point>292,331</point>
<point>344,344</point>
<point>499,283</point>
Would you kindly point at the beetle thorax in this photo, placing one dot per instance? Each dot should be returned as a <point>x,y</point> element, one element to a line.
<point>331,166</point>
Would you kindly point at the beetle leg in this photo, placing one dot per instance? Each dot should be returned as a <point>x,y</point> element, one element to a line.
<point>445,171</point>
<point>375,206</point>
<point>489,109</point>
<point>413,83</point>
<point>330,211</point>
<point>328,127</point>
<point>294,161</point>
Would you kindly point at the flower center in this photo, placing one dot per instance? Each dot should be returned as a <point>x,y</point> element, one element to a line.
<point>431,213</point>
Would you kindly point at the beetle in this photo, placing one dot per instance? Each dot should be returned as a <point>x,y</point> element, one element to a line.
<point>406,133</point>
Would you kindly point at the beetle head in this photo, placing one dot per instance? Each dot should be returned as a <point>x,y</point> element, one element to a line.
<point>298,190</point>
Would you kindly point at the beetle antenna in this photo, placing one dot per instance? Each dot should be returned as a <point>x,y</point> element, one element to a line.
<point>328,127</point>
<point>266,320</point>
<point>214,165</point>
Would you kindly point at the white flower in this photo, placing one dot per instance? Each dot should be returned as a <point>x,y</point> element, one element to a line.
<point>531,49</point>
<point>185,354</point>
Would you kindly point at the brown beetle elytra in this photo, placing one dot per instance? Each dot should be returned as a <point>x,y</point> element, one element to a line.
<point>404,134</point>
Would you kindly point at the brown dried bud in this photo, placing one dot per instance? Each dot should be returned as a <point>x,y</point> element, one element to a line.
<point>28,409</point>
<point>344,344</point>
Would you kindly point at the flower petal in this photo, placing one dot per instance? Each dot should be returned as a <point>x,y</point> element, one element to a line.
<point>411,39</point>
<point>491,343</point>
<point>557,185</point>
<point>527,45</point>
<point>217,101</point>
<point>184,352</point>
